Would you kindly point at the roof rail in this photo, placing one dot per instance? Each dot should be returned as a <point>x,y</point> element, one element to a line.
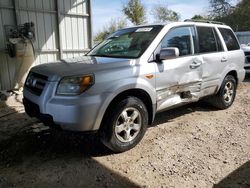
<point>204,21</point>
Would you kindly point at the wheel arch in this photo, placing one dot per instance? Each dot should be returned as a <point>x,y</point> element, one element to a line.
<point>233,73</point>
<point>138,93</point>
<point>219,99</point>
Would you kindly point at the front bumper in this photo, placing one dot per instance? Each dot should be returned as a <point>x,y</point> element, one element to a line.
<point>67,113</point>
<point>33,110</point>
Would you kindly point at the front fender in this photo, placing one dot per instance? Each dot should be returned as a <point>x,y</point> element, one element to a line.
<point>121,86</point>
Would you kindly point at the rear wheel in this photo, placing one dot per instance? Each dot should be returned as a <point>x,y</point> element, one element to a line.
<point>124,125</point>
<point>226,95</point>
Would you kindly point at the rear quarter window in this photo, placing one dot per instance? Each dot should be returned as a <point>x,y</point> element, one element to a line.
<point>230,39</point>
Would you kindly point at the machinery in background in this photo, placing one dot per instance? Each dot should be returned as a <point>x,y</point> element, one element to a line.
<point>15,34</point>
<point>20,46</point>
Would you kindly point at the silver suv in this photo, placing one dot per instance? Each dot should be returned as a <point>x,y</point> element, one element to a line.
<point>246,49</point>
<point>119,86</point>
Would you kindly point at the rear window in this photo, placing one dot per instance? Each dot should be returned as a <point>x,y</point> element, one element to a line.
<point>207,41</point>
<point>230,39</point>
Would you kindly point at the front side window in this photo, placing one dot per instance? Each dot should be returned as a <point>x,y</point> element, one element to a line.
<point>230,39</point>
<point>207,41</point>
<point>127,43</point>
<point>181,38</point>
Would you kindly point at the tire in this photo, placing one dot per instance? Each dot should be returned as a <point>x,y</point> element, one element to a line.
<point>124,124</point>
<point>226,95</point>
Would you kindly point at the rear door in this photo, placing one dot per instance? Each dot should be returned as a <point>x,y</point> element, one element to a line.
<point>234,53</point>
<point>214,58</point>
<point>178,80</point>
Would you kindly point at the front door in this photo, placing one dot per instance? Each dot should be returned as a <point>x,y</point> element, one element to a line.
<point>178,80</point>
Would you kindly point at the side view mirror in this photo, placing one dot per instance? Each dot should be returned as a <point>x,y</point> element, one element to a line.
<point>167,53</point>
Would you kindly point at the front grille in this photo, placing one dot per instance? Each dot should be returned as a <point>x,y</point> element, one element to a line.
<point>36,83</point>
<point>247,53</point>
<point>248,59</point>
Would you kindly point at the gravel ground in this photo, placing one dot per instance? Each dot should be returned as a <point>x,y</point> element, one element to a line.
<point>192,146</point>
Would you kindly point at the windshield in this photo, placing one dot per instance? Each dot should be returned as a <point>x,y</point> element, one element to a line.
<point>127,43</point>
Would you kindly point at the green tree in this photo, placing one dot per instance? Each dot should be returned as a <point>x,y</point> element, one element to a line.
<point>198,17</point>
<point>220,8</point>
<point>238,18</point>
<point>163,14</point>
<point>109,28</point>
<point>135,12</point>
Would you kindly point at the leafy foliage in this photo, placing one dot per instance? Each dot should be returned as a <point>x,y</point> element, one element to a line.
<point>220,8</point>
<point>163,14</point>
<point>241,13</point>
<point>199,17</point>
<point>135,12</point>
<point>237,17</point>
<point>108,29</point>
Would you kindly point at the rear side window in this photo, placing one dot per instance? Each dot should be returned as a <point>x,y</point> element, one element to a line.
<point>230,39</point>
<point>207,41</point>
<point>181,38</point>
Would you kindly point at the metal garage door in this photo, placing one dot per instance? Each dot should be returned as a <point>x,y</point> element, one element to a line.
<point>63,30</point>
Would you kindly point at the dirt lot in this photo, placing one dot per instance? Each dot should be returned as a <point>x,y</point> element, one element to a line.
<point>192,146</point>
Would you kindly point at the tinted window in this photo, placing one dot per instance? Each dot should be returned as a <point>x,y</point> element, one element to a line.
<point>181,38</point>
<point>230,39</point>
<point>207,42</point>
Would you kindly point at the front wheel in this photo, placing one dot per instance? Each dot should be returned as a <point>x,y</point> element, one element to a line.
<point>124,124</point>
<point>226,95</point>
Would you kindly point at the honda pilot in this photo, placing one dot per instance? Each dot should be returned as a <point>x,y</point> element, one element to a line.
<point>118,87</point>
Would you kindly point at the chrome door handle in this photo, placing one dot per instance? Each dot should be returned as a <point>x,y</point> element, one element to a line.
<point>195,65</point>
<point>223,59</point>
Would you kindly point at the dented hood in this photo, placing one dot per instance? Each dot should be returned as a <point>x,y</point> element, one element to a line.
<point>78,66</point>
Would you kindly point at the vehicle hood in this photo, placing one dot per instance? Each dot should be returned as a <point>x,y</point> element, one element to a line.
<point>79,66</point>
<point>245,48</point>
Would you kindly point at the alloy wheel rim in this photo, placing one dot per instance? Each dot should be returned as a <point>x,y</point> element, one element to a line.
<point>228,93</point>
<point>128,125</point>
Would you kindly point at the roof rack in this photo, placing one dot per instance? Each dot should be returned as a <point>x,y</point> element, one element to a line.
<point>204,21</point>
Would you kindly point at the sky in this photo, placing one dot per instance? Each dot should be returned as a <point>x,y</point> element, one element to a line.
<point>104,10</point>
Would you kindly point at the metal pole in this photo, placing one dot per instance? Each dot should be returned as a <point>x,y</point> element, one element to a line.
<point>59,19</point>
<point>90,24</point>
<point>17,15</point>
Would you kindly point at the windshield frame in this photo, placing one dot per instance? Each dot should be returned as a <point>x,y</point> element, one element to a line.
<point>156,29</point>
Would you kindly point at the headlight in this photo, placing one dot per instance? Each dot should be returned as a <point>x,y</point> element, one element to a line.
<point>74,85</point>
